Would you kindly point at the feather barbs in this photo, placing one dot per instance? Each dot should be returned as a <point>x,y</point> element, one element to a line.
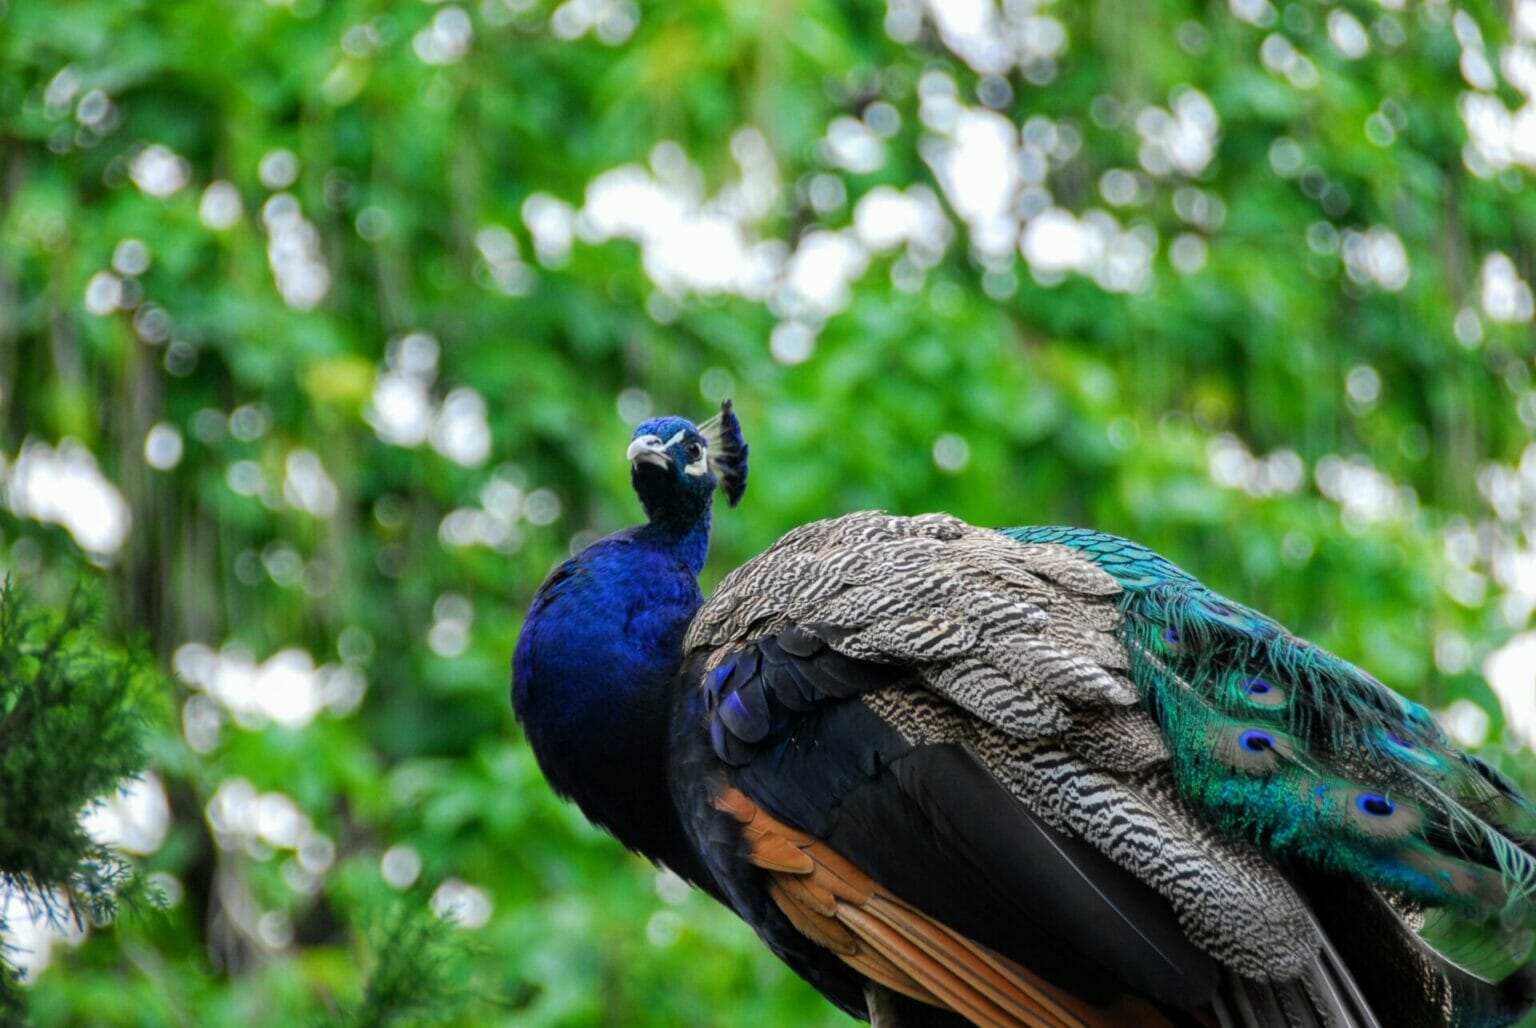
<point>727,452</point>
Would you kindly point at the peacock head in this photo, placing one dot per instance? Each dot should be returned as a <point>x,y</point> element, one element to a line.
<point>676,465</point>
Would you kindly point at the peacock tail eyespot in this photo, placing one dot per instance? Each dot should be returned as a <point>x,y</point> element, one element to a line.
<point>1255,691</point>
<point>1375,805</point>
<point>1171,637</point>
<point>1256,741</point>
<point>1251,751</point>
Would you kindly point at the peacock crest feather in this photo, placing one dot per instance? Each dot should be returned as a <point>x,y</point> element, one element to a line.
<point>1315,760</point>
<point>727,451</point>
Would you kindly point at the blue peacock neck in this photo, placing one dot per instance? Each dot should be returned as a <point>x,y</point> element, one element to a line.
<point>594,669</point>
<point>678,520</point>
<point>689,544</point>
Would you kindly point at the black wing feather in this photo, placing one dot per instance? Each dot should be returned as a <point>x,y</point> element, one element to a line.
<point>969,852</point>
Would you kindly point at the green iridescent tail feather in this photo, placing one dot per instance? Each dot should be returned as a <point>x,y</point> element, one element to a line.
<point>1314,759</point>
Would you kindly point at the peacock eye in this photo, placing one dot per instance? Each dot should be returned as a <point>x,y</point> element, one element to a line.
<point>1255,741</point>
<point>695,451</point>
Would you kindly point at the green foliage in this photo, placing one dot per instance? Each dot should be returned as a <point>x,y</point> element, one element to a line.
<point>73,715</point>
<point>351,198</point>
<point>418,968</point>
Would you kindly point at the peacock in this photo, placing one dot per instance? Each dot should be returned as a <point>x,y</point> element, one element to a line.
<point>1029,776</point>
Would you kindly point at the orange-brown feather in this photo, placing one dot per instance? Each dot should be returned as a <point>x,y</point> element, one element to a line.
<point>836,905</point>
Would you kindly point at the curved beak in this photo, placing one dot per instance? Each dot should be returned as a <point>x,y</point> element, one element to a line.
<point>650,450</point>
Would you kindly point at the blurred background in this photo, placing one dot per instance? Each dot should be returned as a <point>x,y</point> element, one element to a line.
<point>324,324</point>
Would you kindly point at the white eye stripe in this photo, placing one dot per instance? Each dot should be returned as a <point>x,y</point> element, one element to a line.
<point>677,436</point>
<point>698,467</point>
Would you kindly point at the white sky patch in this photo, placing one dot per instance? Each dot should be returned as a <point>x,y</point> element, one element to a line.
<point>495,523</point>
<point>951,453</point>
<point>130,257</point>
<point>822,270</point>
<point>1254,12</point>
<point>449,634</point>
<point>970,29</point>
<point>1518,63</point>
<point>542,507</point>
<point>401,410</point>
<point>1188,252</point>
<point>460,431</point>
<point>30,936</point>
<point>446,38</point>
<point>65,487</point>
<point>1181,138</point>
<point>1500,136</point>
<point>1280,56</point>
<point>1501,487</point>
<point>61,91</point>
<point>293,251</point>
<point>994,41</point>
<point>938,101</point>
<point>1505,295</point>
<point>611,21</point>
<point>1465,722</point>
<point>134,817</point>
<point>1377,257</point>
<point>1119,261</point>
<point>1511,673</point>
<point>220,208</point>
<point>1232,466</point>
<point>1055,242</point>
<point>977,165</point>
<point>97,112</point>
<point>286,688</point>
<point>159,171</point>
<point>1474,53</point>
<point>683,246</point>
<point>1347,35</point>
<point>853,146</point>
<point>551,221</point>
<point>1364,493</point>
<point>103,293</point>
<point>278,168</point>
<point>886,218</point>
<point>498,249</point>
<point>163,446</point>
<point>263,823</point>
<point>1495,555</point>
<point>690,242</point>
<point>1363,385</point>
<point>462,903</point>
<point>792,342</point>
<point>400,866</point>
<point>307,487</point>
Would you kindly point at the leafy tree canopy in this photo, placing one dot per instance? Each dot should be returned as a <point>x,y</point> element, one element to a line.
<point>323,327</point>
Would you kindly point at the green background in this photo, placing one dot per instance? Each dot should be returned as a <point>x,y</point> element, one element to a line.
<point>1242,379</point>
